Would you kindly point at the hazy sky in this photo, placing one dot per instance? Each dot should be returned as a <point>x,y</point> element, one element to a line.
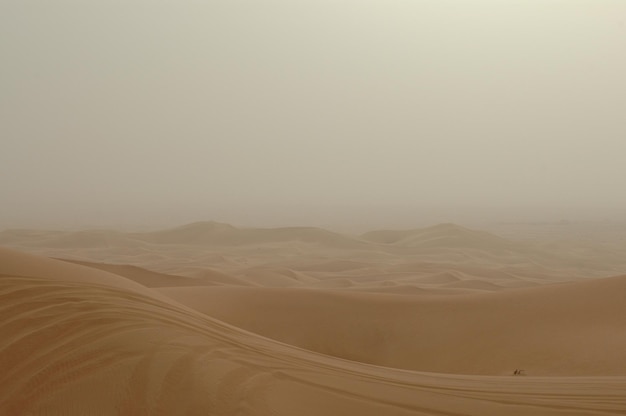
<point>310,111</point>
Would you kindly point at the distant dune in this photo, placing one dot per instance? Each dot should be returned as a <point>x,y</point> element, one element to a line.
<point>212,233</point>
<point>449,235</point>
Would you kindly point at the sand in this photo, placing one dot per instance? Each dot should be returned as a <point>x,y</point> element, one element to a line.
<point>212,319</point>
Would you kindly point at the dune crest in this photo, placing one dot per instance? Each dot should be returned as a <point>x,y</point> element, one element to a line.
<point>213,233</point>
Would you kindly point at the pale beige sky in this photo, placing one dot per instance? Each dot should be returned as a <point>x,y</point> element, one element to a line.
<point>311,112</point>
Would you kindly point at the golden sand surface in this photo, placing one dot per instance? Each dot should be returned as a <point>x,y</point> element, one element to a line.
<point>212,319</point>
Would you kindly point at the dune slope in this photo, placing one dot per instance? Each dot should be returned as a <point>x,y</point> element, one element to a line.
<point>568,329</point>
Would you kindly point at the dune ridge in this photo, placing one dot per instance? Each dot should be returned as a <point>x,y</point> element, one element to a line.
<point>213,233</point>
<point>146,277</point>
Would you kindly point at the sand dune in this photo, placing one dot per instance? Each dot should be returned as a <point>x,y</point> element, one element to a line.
<point>569,329</point>
<point>70,240</point>
<point>319,255</point>
<point>212,233</point>
<point>217,278</point>
<point>17,236</point>
<point>146,277</point>
<point>276,277</point>
<point>76,341</point>
<point>413,322</point>
<point>446,235</point>
<point>92,239</point>
<point>14,263</point>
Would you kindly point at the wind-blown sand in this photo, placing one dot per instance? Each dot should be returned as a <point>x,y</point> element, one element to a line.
<point>203,320</point>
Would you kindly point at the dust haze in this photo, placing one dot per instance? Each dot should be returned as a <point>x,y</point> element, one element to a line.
<point>312,207</point>
<point>328,113</point>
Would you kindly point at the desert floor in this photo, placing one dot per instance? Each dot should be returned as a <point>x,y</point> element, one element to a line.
<point>213,319</point>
